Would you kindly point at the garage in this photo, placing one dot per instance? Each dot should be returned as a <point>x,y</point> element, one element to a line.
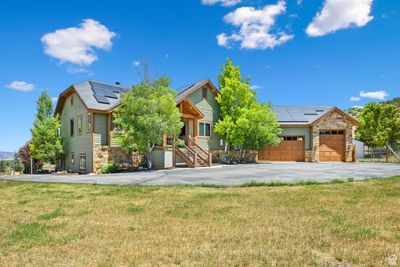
<point>332,145</point>
<point>291,148</point>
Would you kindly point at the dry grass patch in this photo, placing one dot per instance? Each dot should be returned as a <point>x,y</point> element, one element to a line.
<point>58,224</point>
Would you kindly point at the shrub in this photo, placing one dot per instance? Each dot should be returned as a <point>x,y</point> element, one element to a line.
<point>109,168</point>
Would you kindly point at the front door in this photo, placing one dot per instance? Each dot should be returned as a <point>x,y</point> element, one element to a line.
<point>187,129</point>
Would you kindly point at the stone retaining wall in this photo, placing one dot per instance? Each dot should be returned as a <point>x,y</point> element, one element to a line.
<point>103,155</point>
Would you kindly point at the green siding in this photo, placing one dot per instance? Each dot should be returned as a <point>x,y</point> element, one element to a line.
<point>77,144</point>
<point>300,132</point>
<point>100,127</point>
<point>210,109</point>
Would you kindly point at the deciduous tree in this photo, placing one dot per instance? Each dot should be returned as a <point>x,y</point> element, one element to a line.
<point>244,122</point>
<point>379,124</point>
<point>148,112</point>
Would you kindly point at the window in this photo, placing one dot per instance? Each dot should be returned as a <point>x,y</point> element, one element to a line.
<point>82,161</point>
<point>205,91</point>
<point>89,123</point>
<point>79,124</point>
<point>71,127</point>
<point>72,100</point>
<point>205,129</point>
<point>72,158</point>
<point>331,132</point>
<point>292,138</point>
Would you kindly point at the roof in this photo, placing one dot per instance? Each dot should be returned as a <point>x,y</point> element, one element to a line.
<point>300,115</point>
<point>103,96</point>
<point>95,95</point>
<point>187,90</point>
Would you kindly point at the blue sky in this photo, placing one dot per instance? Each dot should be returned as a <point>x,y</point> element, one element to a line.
<point>296,52</point>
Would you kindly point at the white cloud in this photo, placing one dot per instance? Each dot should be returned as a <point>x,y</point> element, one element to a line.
<point>340,14</point>
<point>76,44</point>
<point>136,63</point>
<point>76,70</point>
<point>222,2</point>
<point>54,99</point>
<point>21,86</point>
<point>380,95</point>
<point>255,87</point>
<point>255,27</point>
<point>354,99</point>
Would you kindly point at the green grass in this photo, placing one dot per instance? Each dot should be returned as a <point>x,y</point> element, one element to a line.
<point>257,224</point>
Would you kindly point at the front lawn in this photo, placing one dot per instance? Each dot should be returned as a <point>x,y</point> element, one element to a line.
<point>58,224</point>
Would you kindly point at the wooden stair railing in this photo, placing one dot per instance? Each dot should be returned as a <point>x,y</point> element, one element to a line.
<point>187,155</point>
<point>204,155</point>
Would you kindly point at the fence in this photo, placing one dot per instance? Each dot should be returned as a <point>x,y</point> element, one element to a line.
<point>378,154</point>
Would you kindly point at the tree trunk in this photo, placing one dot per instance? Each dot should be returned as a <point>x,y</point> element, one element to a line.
<point>240,154</point>
<point>387,151</point>
<point>149,157</point>
<point>226,152</point>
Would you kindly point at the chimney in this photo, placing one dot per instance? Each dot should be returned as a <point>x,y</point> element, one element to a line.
<point>117,83</point>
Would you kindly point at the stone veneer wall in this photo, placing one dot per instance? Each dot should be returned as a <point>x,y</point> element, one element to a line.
<point>103,155</point>
<point>308,156</point>
<point>333,121</point>
<point>249,156</point>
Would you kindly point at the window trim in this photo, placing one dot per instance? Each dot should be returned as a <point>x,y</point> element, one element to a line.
<point>204,136</point>
<point>72,161</point>
<point>80,161</point>
<point>332,132</point>
<point>79,118</point>
<point>89,122</point>
<point>72,101</point>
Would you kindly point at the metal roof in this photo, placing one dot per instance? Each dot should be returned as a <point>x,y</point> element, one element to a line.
<point>299,115</point>
<point>107,95</point>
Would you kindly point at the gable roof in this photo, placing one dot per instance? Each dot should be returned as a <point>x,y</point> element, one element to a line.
<point>95,95</point>
<point>304,115</point>
<point>187,90</point>
<point>104,97</point>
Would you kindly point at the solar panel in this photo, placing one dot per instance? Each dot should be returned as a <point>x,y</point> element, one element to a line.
<point>101,99</point>
<point>98,91</point>
<point>101,85</point>
<point>110,94</point>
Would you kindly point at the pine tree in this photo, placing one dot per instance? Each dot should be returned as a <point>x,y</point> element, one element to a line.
<point>46,142</point>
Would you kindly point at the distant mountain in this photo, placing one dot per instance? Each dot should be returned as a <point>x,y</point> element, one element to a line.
<point>6,155</point>
<point>355,111</point>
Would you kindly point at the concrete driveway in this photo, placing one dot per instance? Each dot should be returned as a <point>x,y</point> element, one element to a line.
<point>231,175</point>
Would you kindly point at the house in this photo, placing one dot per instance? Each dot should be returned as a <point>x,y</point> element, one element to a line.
<point>312,133</point>
<point>86,110</point>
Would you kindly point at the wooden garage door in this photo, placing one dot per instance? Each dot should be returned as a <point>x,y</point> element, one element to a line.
<point>332,145</point>
<point>290,149</point>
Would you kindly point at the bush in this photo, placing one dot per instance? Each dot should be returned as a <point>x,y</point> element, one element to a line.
<point>109,168</point>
